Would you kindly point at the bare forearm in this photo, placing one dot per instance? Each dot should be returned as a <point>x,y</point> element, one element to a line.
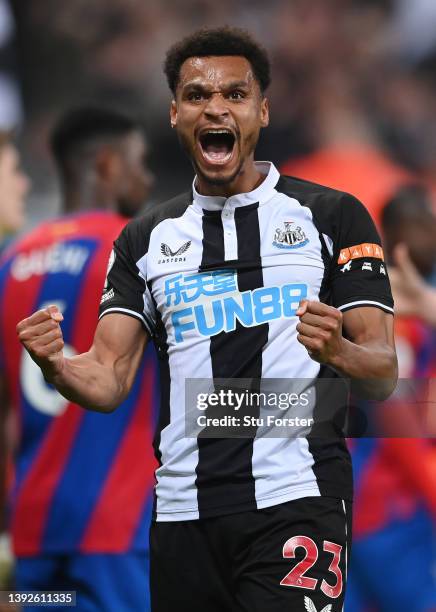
<point>99,379</point>
<point>86,382</point>
<point>369,360</point>
<point>372,368</point>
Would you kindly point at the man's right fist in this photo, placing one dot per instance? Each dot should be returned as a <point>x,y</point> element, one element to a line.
<point>41,336</point>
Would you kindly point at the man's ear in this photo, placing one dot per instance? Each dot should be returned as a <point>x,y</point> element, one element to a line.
<point>173,114</point>
<point>264,112</point>
<point>108,164</point>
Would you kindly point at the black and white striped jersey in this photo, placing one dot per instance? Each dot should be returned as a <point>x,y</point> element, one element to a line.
<point>216,282</point>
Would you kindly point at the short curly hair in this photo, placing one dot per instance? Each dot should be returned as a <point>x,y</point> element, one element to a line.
<point>218,41</point>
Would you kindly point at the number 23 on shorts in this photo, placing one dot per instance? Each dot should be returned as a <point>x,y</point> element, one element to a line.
<point>297,576</point>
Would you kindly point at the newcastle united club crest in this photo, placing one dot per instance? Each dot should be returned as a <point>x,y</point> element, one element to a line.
<point>292,237</point>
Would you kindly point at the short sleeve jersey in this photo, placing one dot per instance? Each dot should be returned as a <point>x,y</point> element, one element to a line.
<point>216,283</point>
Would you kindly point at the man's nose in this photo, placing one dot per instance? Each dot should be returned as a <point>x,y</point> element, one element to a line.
<point>216,106</point>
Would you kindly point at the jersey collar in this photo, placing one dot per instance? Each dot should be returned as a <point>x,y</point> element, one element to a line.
<point>261,194</point>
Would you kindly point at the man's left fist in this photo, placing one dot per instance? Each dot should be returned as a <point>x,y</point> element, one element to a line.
<point>320,330</point>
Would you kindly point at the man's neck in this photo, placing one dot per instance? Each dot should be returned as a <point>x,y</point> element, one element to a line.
<point>80,203</point>
<point>246,180</point>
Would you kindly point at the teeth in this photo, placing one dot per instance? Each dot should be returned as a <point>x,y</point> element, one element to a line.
<point>218,132</point>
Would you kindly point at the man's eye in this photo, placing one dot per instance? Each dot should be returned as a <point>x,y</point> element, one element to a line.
<point>195,96</point>
<point>236,95</point>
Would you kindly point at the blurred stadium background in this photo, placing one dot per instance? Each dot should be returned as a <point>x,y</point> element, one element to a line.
<point>353,102</point>
<point>346,72</point>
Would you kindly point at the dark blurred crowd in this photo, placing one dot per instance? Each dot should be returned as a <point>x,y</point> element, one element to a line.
<point>344,71</point>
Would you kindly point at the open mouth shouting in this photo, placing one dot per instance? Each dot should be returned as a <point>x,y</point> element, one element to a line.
<point>217,145</point>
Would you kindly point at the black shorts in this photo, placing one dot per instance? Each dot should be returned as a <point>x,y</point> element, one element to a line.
<point>293,556</point>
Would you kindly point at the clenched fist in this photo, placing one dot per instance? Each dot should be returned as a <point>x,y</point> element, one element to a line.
<point>41,336</point>
<point>320,330</point>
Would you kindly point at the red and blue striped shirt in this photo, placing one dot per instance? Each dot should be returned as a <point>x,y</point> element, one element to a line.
<point>83,480</point>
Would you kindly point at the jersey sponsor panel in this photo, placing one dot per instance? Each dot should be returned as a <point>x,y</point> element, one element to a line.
<point>225,308</point>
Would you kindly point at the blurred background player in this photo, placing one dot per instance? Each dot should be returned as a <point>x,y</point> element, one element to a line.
<point>408,220</point>
<point>395,477</point>
<point>81,499</point>
<point>415,295</point>
<point>14,186</point>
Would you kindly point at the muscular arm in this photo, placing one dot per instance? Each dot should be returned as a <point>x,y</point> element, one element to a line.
<point>369,357</point>
<point>365,353</point>
<point>99,379</point>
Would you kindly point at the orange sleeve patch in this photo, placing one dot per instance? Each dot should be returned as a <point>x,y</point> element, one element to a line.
<point>356,251</point>
<point>344,256</point>
<point>366,249</point>
<point>378,252</point>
